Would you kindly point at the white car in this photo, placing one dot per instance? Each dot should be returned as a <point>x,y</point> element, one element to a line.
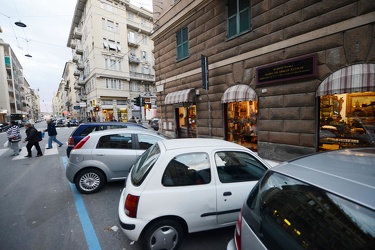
<point>183,186</point>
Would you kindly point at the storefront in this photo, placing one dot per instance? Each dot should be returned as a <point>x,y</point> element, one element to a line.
<point>347,108</point>
<point>185,112</point>
<point>241,115</point>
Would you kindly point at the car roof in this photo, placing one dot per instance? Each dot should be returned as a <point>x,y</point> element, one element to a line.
<point>125,130</point>
<point>349,173</point>
<point>197,143</point>
<point>113,123</point>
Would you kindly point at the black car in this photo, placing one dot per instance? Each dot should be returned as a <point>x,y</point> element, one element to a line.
<point>86,128</point>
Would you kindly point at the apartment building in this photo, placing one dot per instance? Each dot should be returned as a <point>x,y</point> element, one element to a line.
<point>17,100</point>
<point>113,60</point>
<point>284,78</point>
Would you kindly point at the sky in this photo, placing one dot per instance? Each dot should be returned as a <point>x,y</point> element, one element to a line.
<point>45,37</point>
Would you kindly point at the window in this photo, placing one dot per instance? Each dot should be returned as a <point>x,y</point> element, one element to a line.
<point>132,37</point>
<point>238,17</point>
<point>182,44</point>
<point>123,141</point>
<point>109,25</point>
<point>296,215</point>
<point>144,39</point>
<point>235,166</point>
<point>146,141</point>
<point>187,169</point>
<point>144,55</point>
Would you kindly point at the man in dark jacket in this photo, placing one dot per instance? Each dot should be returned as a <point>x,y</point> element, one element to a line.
<point>32,139</point>
<point>51,129</point>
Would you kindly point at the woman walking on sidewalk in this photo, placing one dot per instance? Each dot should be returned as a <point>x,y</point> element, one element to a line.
<point>51,129</point>
<point>32,139</point>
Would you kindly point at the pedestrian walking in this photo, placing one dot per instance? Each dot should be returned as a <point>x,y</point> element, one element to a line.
<point>32,139</point>
<point>52,133</point>
<point>132,119</point>
<point>14,137</point>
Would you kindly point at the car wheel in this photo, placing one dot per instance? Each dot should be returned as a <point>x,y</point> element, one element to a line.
<point>163,234</point>
<point>90,181</point>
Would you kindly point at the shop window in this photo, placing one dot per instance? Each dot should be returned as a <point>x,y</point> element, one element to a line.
<point>347,121</point>
<point>186,121</point>
<point>242,121</point>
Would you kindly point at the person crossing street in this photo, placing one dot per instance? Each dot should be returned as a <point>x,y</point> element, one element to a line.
<point>52,133</point>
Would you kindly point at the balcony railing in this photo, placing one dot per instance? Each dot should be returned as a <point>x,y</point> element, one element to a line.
<point>76,59</point>
<point>81,83</point>
<point>77,73</point>
<point>83,97</point>
<point>77,33</point>
<point>76,86</point>
<point>80,66</point>
<point>73,44</point>
<point>133,59</point>
<point>79,50</point>
<point>142,76</point>
<point>133,43</point>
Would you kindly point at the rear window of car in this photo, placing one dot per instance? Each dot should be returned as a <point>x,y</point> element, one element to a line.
<point>296,215</point>
<point>144,164</point>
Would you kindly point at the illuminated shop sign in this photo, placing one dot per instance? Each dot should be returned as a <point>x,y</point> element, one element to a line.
<point>287,70</point>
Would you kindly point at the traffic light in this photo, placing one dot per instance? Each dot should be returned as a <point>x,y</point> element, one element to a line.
<point>96,109</point>
<point>143,101</point>
<point>137,101</point>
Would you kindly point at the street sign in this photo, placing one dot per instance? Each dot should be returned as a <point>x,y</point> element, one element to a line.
<point>204,64</point>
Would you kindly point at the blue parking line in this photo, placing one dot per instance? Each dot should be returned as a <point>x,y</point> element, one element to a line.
<point>90,235</point>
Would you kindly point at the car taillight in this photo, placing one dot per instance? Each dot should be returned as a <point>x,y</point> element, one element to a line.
<point>131,205</point>
<point>71,142</point>
<point>237,232</point>
<point>82,142</point>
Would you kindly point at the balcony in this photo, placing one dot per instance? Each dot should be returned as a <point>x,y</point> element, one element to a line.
<point>76,86</point>
<point>79,50</point>
<point>83,97</point>
<point>81,83</point>
<point>77,73</point>
<point>76,59</point>
<point>73,44</point>
<point>133,43</point>
<point>77,33</point>
<point>141,76</point>
<point>140,27</point>
<point>80,66</point>
<point>133,59</point>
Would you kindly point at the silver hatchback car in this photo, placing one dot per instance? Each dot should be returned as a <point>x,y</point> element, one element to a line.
<point>106,156</point>
<point>322,201</point>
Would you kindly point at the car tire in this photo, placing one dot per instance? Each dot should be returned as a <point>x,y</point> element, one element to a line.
<point>163,234</point>
<point>90,181</point>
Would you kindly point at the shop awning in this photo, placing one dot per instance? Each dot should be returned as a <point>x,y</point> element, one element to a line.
<point>354,78</point>
<point>186,95</point>
<point>239,93</point>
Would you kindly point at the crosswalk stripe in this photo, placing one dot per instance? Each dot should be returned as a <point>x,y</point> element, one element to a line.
<point>52,151</point>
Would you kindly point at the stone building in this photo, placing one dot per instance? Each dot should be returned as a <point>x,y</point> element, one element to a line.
<point>285,78</point>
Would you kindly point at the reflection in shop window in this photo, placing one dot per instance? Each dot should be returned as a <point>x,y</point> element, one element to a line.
<point>347,121</point>
<point>242,121</point>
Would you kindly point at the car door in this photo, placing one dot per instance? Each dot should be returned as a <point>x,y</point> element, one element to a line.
<point>117,153</point>
<point>237,173</point>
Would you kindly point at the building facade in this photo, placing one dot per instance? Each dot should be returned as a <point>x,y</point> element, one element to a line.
<point>112,54</point>
<point>285,78</point>
<point>17,100</point>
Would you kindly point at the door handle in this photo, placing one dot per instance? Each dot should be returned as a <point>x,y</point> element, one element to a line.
<point>228,193</point>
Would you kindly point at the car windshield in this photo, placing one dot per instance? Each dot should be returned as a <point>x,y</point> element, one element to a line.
<point>144,164</point>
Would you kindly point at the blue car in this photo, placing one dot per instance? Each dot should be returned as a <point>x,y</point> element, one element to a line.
<point>86,128</point>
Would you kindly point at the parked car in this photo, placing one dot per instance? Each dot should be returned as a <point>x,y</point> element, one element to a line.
<point>183,186</point>
<point>154,123</point>
<point>86,128</point>
<point>322,201</point>
<point>60,123</point>
<point>4,126</point>
<point>72,122</point>
<point>106,156</point>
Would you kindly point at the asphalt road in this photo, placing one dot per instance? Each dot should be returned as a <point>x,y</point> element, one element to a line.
<point>40,209</point>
